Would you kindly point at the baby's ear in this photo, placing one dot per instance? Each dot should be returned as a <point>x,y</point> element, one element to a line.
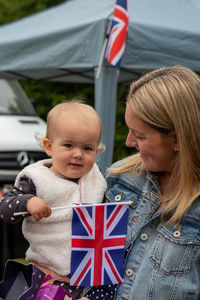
<point>47,146</point>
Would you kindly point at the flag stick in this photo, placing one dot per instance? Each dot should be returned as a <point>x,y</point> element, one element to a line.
<point>80,205</point>
<point>102,57</point>
<point>104,49</point>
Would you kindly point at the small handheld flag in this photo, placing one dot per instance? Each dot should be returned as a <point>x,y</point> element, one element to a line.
<point>98,237</point>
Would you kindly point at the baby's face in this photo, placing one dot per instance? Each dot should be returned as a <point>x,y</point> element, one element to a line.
<point>74,146</point>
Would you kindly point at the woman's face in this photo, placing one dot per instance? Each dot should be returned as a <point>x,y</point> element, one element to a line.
<point>156,150</point>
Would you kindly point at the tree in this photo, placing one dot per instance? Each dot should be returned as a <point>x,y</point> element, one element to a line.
<point>16,9</point>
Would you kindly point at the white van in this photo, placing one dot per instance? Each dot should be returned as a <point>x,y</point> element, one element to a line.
<point>19,123</point>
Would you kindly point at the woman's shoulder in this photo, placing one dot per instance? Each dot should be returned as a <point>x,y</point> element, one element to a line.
<point>130,179</point>
<point>193,213</point>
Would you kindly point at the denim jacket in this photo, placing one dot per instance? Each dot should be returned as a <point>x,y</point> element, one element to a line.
<point>162,262</point>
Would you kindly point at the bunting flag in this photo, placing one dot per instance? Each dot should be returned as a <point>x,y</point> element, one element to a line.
<point>117,33</point>
<point>98,237</point>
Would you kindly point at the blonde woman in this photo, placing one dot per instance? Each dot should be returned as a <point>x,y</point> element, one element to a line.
<point>162,258</point>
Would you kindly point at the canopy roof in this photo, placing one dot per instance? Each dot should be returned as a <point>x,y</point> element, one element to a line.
<point>64,44</point>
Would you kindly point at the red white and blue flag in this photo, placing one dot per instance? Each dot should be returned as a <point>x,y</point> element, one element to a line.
<point>117,33</point>
<point>98,237</point>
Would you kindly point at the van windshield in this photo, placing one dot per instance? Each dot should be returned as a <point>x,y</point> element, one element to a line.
<point>13,100</point>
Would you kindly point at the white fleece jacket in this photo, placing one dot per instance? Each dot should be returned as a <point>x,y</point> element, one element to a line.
<point>50,238</point>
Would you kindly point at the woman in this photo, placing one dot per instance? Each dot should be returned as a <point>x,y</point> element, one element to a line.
<point>163,180</point>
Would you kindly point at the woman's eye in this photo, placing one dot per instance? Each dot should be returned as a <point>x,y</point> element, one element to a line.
<point>139,138</point>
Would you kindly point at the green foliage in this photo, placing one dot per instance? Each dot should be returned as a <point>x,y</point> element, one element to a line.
<point>16,9</point>
<point>121,130</point>
<point>45,95</point>
<point>48,94</point>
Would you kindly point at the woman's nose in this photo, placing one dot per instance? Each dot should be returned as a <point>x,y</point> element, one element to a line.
<point>131,140</point>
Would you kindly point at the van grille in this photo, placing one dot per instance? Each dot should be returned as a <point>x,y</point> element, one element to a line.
<point>18,160</point>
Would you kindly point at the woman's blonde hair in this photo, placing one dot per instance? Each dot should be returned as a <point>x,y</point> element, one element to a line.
<point>168,99</point>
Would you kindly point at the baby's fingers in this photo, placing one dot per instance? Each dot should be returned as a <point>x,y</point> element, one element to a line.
<point>48,212</point>
<point>42,214</point>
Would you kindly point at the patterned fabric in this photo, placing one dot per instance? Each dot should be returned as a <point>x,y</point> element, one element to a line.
<point>73,290</point>
<point>20,281</point>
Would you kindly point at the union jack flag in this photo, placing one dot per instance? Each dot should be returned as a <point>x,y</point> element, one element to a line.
<point>117,32</point>
<point>98,237</point>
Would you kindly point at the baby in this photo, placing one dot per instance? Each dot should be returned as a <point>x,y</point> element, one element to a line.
<point>71,176</point>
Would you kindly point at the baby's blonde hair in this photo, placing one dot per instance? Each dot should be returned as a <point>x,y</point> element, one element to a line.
<point>73,106</point>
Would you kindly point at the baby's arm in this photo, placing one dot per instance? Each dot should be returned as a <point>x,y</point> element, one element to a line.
<point>17,199</point>
<point>38,208</point>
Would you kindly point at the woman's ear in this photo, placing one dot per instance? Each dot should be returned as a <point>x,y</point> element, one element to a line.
<point>47,146</point>
<point>176,147</point>
<point>176,144</point>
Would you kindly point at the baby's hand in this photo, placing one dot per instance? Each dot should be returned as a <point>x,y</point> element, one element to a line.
<point>38,208</point>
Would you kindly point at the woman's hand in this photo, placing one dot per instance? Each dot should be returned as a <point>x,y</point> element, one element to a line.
<point>38,208</point>
<point>84,298</point>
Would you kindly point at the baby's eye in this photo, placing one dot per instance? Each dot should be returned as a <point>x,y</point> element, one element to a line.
<point>68,145</point>
<point>88,148</point>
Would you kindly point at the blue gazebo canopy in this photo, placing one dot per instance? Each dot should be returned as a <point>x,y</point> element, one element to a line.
<point>64,44</point>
